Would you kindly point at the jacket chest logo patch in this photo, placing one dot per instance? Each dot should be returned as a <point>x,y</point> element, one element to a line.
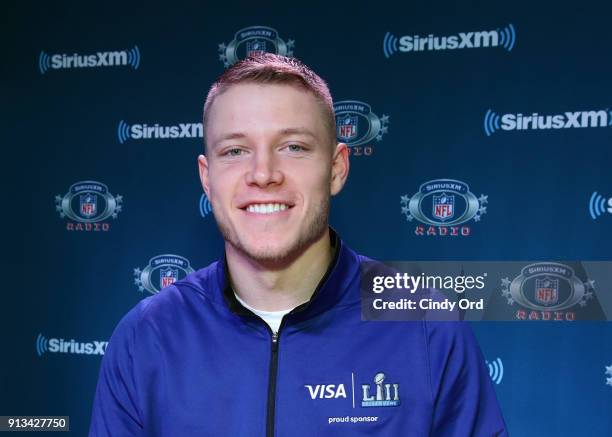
<point>380,393</point>
<point>383,395</point>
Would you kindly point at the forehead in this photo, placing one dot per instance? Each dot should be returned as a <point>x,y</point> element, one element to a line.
<point>261,108</point>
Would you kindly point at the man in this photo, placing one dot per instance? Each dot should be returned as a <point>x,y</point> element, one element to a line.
<point>269,341</point>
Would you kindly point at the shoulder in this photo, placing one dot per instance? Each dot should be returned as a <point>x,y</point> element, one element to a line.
<point>454,354</point>
<point>171,301</point>
<point>449,335</point>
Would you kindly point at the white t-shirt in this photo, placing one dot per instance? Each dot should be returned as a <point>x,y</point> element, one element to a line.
<point>272,318</point>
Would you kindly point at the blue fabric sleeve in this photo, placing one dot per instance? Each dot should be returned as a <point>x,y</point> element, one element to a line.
<point>115,410</point>
<point>464,399</point>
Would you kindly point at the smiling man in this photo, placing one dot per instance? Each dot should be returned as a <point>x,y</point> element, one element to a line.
<point>271,164</point>
<point>269,341</point>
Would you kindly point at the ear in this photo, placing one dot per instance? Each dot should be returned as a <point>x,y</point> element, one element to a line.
<point>340,168</point>
<point>203,170</point>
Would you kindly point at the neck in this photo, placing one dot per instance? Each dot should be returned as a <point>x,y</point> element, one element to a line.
<point>282,287</point>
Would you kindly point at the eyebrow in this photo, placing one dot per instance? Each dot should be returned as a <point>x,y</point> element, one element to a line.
<point>232,136</point>
<point>286,131</point>
<point>297,131</point>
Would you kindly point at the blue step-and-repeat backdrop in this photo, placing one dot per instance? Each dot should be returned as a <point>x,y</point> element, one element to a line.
<point>511,102</point>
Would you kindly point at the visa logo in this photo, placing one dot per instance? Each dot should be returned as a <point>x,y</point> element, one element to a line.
<point>326,391</point>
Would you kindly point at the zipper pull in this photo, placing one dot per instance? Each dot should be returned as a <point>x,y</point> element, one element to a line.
<point>274,336</point>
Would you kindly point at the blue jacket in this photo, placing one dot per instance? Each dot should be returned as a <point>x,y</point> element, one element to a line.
<point>192,361</point>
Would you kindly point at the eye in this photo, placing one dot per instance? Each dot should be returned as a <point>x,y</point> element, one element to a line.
<point>295,148</point>
<point>234,151</point>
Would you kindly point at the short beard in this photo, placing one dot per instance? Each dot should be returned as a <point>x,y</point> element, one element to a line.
<point>317,225</point>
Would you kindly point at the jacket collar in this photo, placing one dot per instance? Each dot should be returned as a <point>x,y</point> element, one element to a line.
<point>332,288</point>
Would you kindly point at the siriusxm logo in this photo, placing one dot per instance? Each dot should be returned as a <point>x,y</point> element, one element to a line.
<point>61,346</point>
<point>571,119</point>
<point>597,205</point>
<point>128,58</point>
<point>496,370</point>
<point>504,38</point>
<point>205,206</point>
<point>127,131</point>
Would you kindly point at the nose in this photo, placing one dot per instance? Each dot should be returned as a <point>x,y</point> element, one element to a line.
<point>264,170</point>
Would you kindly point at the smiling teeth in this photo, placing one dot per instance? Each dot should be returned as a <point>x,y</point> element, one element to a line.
<point>266,208</point>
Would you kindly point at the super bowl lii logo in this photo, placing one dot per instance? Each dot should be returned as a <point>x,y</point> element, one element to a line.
<point>87,206</point>
<point>359,127</point>
<point>443,207</point>
<point>547,291</point>
<point>160,272</point>
<point>251,41</point>
<point>383,394</point>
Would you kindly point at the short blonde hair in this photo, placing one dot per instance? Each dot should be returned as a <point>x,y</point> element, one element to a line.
<point>268,68</point>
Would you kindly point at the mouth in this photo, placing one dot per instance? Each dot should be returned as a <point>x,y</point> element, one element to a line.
<point>267,208</point>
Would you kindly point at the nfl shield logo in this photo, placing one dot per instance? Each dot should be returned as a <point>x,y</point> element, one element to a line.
<point>547,291</point>
<point>347,127</point>
<point>168,276</point>
<point>89,205</point>
<point>443,206</point>
<point>255,47</point>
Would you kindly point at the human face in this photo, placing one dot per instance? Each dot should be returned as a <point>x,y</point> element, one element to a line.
<point>270,169</point>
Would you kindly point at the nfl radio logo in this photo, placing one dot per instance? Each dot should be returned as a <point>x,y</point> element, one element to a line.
<point>254,40</point>
<point>347,127</point>
<point>89,205</point>
<point>255,48</point>
<point>162,271</point>
<point>547,291</point>
<point>168,276</point>
<point>443,206</point>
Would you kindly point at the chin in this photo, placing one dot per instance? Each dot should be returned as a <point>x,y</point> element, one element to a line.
<point>267,252</point>
<point>269,256</point>
<point>275,247</point>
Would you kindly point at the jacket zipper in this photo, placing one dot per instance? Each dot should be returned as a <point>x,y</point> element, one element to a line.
<point>272,383</point>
